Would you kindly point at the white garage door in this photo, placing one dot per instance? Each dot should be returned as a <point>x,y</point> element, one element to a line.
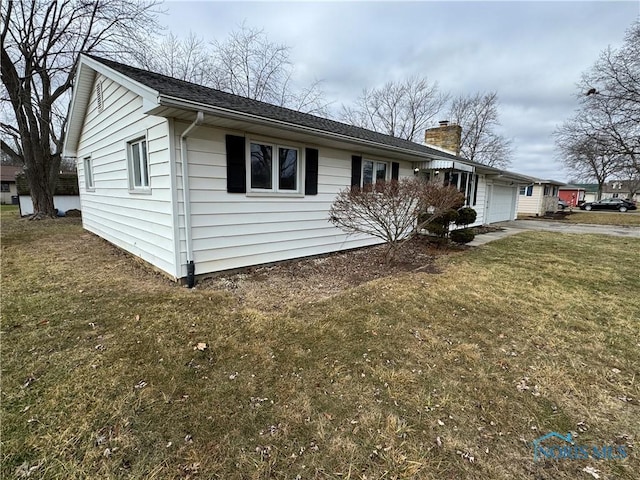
<point>502,203</point>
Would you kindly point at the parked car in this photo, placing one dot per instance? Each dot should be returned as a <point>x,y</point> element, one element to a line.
<point>562,205</point>
<point>619,204</point>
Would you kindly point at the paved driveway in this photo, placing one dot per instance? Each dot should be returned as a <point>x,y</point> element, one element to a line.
<point>517,226</point>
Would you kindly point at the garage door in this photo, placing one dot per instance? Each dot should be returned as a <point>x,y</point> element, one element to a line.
<point>502,202</point>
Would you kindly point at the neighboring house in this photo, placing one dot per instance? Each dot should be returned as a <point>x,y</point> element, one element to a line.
<point>572,194</point>
<point>66,195</point>
<point>194,180</point>
<point>538,197</point>
<point>590,191</point>
<point>621,189</point>
<point>8,188</point>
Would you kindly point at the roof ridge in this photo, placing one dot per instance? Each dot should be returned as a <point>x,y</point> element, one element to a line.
<point>106,61</point>
<point>273,111</point>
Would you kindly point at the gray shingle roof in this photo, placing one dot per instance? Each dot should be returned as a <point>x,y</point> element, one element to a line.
<point>209,96</point>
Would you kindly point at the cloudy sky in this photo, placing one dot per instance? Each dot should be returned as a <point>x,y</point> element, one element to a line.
<point>531,53</point>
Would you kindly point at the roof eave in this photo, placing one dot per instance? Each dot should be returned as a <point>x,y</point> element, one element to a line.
<point>175,102</point>
<point>87,70</point>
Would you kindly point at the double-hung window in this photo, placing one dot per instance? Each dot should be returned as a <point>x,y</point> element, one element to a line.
<point>526,190</point>
<point>138,164</point>
<point>274,168</point>
<point>374,172</point>
<point>88,173</point>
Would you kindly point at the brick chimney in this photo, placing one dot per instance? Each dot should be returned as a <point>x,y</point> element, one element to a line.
<point>445,136</point>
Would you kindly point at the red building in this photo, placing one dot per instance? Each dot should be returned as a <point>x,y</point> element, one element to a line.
<point>571,194</point>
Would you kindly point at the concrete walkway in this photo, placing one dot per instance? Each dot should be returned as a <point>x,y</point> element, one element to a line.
<point>518,226</point>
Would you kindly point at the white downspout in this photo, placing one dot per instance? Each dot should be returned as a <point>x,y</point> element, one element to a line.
<point>185,197</point>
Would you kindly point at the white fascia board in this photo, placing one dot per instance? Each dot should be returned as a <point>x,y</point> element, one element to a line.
<point>84,75</point>
<point>87,70</point>
<point>174,102</point>
<point>147,93</point>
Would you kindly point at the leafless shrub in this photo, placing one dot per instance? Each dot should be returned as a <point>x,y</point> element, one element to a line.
<point>390,210</point>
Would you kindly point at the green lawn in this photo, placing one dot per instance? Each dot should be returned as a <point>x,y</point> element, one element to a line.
<point>426,376</point>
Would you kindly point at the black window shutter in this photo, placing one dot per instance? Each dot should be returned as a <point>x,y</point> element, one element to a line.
<point>356,170</point>
<point>395,170</point>
<point>311,171</point>
<point>236,166</point>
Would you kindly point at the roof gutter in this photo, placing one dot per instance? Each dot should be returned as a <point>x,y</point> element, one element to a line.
<point>186,197</point>
<point>168,101</point>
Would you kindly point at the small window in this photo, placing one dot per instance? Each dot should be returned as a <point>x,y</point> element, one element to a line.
<point>4,187</point>
<point>274,168</point>
<point>529,190</point>
<point>523,190</point>
<point>88,174</point>
<point>374,172</point>
<point>138,164</point>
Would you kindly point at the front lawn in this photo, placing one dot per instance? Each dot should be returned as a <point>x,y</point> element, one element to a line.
<point>604,218</point>
<point>111,371</point>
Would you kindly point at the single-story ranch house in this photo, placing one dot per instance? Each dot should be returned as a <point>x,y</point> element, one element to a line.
<point>194,180</point>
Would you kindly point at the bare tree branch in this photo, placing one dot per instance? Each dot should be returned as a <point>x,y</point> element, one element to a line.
<point>602,139</point>
<point>41,41</point>
<point>478,116</point>
<point>390,210</point>
<point>400,109</point>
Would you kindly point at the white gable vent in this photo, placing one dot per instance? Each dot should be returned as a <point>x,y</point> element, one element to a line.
<point>99,97</point>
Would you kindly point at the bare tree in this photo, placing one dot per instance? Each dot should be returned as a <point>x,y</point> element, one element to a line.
<point>478,116</point>
<point>390,210</point>
<point>587,158</point>
<point>248,64</point>
<point>630,174</point>
<point>41,41</point>
<point>401,109</point>
<point>185,59</point>
<point>607,120</point>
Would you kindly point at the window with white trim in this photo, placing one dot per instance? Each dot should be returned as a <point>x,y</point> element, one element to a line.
<point>374,172</point>
<point>274,168</point>
<point>88,173</point>
<point>138,164</point>
<point>466,182</point>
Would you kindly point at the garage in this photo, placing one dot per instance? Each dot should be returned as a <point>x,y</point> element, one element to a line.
<point>501,205</point>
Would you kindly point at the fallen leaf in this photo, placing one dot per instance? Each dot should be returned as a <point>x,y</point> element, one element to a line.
<point>591,471</point>
<point>201,346</point>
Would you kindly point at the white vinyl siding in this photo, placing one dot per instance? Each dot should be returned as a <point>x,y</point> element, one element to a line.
<point>232,230</point>
<point>139,224</point>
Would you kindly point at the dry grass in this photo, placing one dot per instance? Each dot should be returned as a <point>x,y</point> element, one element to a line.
<point>410,376</point>
<point>605,218</point>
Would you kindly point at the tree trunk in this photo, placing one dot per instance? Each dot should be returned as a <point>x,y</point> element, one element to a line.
<point>41,179</point>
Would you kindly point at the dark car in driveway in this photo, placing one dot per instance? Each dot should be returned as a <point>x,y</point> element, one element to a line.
<point>619,204</point>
